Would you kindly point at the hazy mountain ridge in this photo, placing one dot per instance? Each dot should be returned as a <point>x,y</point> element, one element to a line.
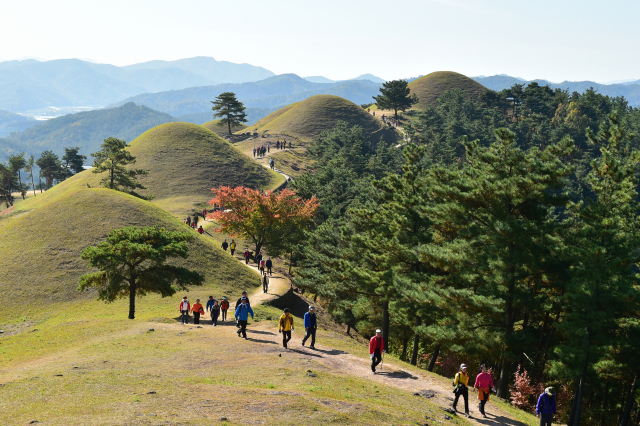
<point>631,91</point>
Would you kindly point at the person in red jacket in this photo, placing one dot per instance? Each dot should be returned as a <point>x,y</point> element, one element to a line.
<point>376,349</point>
<point>484,384</point>
<point>247,255</point>
<point>185,307</point>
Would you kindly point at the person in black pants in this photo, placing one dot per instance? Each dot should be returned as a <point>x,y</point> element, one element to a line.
<point>265,283</point>
<point>460,384</point>
<point>215,312</point>
<point>269,265</point>
<point>310,326</point>
<point>376,348</point>
<point>286,327</point>
<point>242,316</point>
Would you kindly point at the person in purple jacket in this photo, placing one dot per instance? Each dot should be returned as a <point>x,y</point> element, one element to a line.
<point>546,406</point>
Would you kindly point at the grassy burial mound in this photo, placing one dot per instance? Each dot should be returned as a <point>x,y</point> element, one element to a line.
<point>42,239</point>
<point>430,87</point>
<point>214,126</point>
<point>305,120</point>
<point>187,160</point>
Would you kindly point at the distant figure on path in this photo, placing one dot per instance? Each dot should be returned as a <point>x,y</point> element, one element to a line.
<point>265,283</point>
<point>546,406</point>
<point>244,296</point>
<point>278,145</point>
<point>269,265</point>
<point>215,313</point>
<point>286,327</point>
<point>484,384</point>
<point>263,264</point>
<point>232,246</point>
<point>258,258</point>
<point>204,213</point>
<point>310,326</point>
<point>254,152</point>
<point>242,316</point>
<point>200,230</point>
<point>460,383</point>
<point>376,349</point>
<point>188,220</point>
<point>197,310</point>
<point>209,303</point>
<point>268,147</point>
<point>185,306</point>
<point>195,220</point>
<point>271,163</point>
<point>224,307</point>
<point>247,255</point>
<point>225,245</point>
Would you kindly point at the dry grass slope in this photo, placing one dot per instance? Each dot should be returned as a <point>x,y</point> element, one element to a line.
<point>305,120</point>
<point>214,126</point>
<point>41,242</point>
<point>430,87</point>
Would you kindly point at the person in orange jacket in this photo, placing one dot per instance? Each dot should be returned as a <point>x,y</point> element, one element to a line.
<point>185,306</point>
<point>197,310</point>
<point>376,349</point>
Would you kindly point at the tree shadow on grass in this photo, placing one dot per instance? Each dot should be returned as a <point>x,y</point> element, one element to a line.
<point>397,374</point>
<point>304,353</point>
<point>332,352</point>
<point>498,420</point>
<point>261,341</point>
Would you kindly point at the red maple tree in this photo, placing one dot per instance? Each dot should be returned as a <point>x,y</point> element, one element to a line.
<point>274,220</point>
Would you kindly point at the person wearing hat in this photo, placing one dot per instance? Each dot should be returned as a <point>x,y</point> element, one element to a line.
<point>197,309</point>
<point>376,348</point>
<point>484,384</point>
<point>224,307</point>
<point>546,406</point>
<point>242,316</point>
<point>185,306</point>
<point>286,327</point>
<point>310,326</point>
<point>460,384</point>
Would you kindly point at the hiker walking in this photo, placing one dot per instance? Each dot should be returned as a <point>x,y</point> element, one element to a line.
<point>278,144</point>
<point>188,220</point>
<point>196,309</point>
<point>242,316</point>
<point>209,303</point>
<point>215,313</point>
<point>460,383</point>
<point>204,213</point>
<point>484,384</point>
<point>254,152</point>
<point>232,246</point>
<point>376,349</point>
<point>268,147</point>
<point>247,255</point>
<point>546,406</point>
<point>269,265</point>
<point>263,264</point>
<point>258,258</point>
<point>225,245</point>
<point>265,283</point>
<point>185,306</point>
<point>310,327</point>
<point>195,219</point>
<point>244,296</point>
<point>200,230</point>
<point>271,163</point>
<point>286,327</point>
<point>224,306</point>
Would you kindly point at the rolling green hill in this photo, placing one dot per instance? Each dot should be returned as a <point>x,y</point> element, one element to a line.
<point>430,87</point>
<point>41,242</point>
<point>86,129</point>
<point>306,119</point>
<point>214,126</point>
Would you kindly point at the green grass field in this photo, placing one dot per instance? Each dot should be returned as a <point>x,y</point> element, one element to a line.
<point>432,86</point>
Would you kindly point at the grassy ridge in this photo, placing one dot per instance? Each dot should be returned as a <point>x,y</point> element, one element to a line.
<point>432,86</point>
<point>214,126</point>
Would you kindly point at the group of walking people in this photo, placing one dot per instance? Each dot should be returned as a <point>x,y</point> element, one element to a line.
<point>261,150</point>
<point>282,145</point>
<point>310,322</point>
<point>215,307</point>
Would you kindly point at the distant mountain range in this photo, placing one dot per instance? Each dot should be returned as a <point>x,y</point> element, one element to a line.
<point>630,90</point>
<point>320,79</point>
<point>269,93</point>
<point>31,84</point>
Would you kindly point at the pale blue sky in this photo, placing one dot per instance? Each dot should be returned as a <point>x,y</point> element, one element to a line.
<point>556,40</point>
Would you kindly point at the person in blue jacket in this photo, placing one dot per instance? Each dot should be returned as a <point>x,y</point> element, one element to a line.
<point>546,406</point>
<point>242,315</point>
<point>310,326</point>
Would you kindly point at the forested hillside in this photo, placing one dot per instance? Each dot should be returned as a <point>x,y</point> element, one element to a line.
<point>504,234</point>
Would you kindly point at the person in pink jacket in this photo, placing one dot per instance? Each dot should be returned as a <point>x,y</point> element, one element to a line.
<point>484,384</point>
<point>376,349</point>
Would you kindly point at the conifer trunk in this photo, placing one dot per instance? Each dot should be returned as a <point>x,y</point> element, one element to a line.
<point>33,184</point>
<point>503,386</point>
<point>434,357</point>
<point>627,411</point>
<point>385,324</point>
<point>416,343</point>
<point>605,402</point>
<point>132,299</point>
<point>583,377</point>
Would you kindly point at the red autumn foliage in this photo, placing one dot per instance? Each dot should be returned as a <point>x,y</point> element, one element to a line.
<point>524,394</point>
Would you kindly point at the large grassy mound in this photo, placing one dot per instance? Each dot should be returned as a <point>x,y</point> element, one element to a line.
<point>432,86</point>
<point>215,127</point>
<point>187,160</point>
<point>41,242</point>
<point>306,119</point>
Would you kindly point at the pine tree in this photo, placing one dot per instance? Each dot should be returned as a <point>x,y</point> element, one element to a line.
<point>73,160</point>
<point>395,95</point>
<point>112,158</point>
<point>17,163</point>
<point>229,109</point>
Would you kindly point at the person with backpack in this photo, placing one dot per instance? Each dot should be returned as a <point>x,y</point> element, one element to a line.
<point>232,246</point>
<point>546,407</point>
<point>185,306</point>
<point>243,296</point>
<point>310,327</point>
<point>376,349</point>
<point>484,384</point>
<point>215,313</point>
<point>460,383</point>
<point>269,265</point>
<point>242,316</point>
<point>225,245</point>
<point>197,310</point>
<point>286,327</point>
<point>247,256</point>
<point>224,307</point>
<point>265,283</point>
